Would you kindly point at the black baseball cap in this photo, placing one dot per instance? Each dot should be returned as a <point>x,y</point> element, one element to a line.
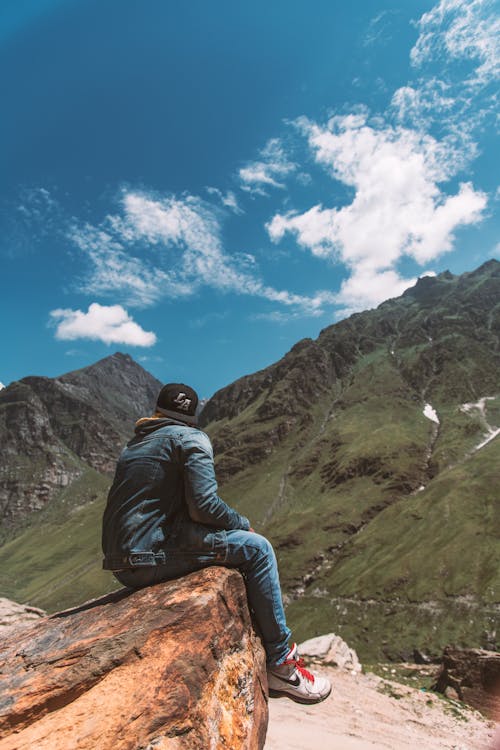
<point>178,401</point>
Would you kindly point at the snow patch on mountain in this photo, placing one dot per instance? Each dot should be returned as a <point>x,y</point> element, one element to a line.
<point>1,386</point>
<point>431,413</point>
<point>480,407</point>
<point>488,439</point>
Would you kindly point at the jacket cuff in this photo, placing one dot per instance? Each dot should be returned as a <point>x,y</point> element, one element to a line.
<point>245,523</point>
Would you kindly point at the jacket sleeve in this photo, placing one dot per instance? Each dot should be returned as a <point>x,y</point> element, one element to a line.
<point>200,486</point>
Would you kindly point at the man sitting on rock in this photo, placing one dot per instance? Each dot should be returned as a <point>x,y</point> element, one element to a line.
<point>164,519</point>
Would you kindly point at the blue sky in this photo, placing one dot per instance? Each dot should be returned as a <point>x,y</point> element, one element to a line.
<point>204,184</point>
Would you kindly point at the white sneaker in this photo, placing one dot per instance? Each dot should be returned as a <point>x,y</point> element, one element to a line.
<point>292,680</point>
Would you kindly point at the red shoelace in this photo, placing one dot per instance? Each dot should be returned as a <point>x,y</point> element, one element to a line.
<point>299,664</point>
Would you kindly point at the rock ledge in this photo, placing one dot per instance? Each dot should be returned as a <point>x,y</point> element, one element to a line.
<point>175,665</point>
<point>472,676</point>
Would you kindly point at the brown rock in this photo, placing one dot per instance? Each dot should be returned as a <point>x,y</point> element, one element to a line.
<point>474,677</point>
<point>175,665</point>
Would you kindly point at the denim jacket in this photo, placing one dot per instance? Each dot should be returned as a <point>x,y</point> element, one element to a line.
<point>163,501</point>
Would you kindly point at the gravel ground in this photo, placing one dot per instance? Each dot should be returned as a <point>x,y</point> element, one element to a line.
<point>366,712</point>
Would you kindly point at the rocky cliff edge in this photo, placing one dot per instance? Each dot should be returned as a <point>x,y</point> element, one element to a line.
<point>176,665</point>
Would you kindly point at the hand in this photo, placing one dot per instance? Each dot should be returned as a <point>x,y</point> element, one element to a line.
<point>252,530</point>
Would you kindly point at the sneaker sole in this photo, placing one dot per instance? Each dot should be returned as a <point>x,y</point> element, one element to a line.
<point>297,698</point>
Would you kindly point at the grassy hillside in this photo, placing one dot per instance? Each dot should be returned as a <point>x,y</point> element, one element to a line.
<point>363,549</point>
<point>56,561</point>
<point>424,573</point>
<point>384,520</point>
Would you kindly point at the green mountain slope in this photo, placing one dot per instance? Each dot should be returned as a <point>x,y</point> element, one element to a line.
<point>56,560</point>
<point>422,574</point>
<point>371,504</point>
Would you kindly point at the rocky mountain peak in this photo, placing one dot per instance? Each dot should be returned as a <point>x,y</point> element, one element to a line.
<point>118,385</point>
<point>108,367</point>
<point>66,424</point>
<point>489,267</point>
<point>428,288</point>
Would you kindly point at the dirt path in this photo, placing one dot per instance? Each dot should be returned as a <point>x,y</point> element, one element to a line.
<point>365,712</point>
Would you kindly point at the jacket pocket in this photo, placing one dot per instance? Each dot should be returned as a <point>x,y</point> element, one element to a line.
<point>195,539</point>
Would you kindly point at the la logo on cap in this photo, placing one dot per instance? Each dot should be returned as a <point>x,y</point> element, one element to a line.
<point>182,401</point>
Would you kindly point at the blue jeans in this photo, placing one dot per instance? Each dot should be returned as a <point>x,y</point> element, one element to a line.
<point>253,555</point>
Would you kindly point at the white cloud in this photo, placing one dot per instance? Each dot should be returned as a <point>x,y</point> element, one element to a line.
<point>397,172</point>
<point>308,305</point>
<point>397,210</point>
<point>258,174</point>
<point>313,229</point>
<point>192,225</point>
<point>186,222</point>
<point>112,325</point>
<point>2,386</point>
<point>228,199</point>
<point>268,171</point>
<point>419,105</point>
<point>465,30</point>
<point>114,270</point>
<point>460,41</point>
<point>188,254</point>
